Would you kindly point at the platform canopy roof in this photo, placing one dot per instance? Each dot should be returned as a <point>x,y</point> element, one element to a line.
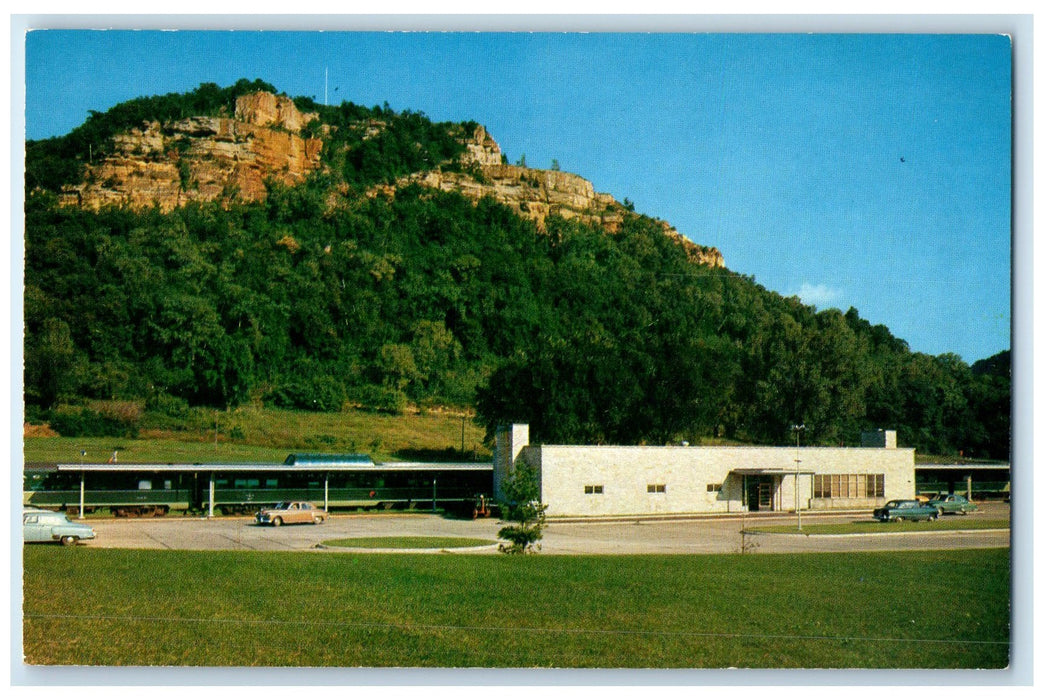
<point>267,467</point>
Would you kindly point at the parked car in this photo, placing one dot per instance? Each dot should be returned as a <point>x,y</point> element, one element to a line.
<point>898,511</point>
<point>40,525</point>
<point>952,503</point>
<point>291,512</point>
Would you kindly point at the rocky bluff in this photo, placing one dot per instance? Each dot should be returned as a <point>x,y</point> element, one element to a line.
<point>536,194</point>
<point>205,159</point>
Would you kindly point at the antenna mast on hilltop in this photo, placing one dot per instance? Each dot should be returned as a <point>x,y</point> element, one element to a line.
<point>326,87</point>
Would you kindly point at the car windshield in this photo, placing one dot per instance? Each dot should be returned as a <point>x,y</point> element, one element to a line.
<point>893,504</point>
<point>280,506</point>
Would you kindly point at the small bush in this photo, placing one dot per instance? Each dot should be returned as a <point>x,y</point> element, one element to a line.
<point>90,423</point>
<point>318,393</point>
<point>167,405</point>
<point>382,399</point>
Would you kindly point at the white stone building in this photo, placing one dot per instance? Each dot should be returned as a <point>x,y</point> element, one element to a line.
<point>608,481</point>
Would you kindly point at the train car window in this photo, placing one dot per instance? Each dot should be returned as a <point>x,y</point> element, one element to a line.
<point>168,484</point>
<point>271,483</point>
<point>144,485</point>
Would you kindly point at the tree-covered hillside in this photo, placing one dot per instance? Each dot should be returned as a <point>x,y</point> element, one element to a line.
<point>327,295</point>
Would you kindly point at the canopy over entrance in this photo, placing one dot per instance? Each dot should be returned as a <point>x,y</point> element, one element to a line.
<point>771,471</point>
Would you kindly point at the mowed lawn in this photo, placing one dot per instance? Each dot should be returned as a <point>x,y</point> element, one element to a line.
<point>945,609</point>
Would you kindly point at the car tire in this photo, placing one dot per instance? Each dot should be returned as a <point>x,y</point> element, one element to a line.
<point>318,520</point>
<point>276,522</point>
<point>939,511</point>
<point>963,511</point>
<point>69,540</point>
<point>932,517</point>
<point>897,519</point>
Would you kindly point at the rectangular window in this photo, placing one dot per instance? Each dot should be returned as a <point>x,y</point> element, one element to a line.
<point>593,489</point>
<point>878,485</point>
<point>848,485</point>
<point>657,488</point>
<point>713,488</point>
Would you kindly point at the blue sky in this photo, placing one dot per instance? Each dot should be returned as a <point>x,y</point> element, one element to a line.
<point>865,170</point>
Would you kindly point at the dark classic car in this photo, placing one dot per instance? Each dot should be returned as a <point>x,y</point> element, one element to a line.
<point>898,511</point>
<point>952,503</point>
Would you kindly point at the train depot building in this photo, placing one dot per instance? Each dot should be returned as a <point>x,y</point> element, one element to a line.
<point>593,481</point>
<point>574,480</point>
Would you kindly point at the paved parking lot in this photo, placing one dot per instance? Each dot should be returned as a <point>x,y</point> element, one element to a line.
<point>702,535</point>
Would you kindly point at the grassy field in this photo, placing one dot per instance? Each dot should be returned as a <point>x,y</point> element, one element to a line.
<point>268,435</point>
<point>946,609</point>
<point>409,542</point>
<point>874,527</point>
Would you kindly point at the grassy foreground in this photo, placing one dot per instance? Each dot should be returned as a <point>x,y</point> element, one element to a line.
<point>945,609</point>
<point>872,527</point>
<point>409,542</point>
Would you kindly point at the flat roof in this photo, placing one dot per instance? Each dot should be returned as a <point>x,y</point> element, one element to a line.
<point>962,467</point>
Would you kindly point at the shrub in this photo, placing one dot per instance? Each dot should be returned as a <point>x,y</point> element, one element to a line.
<point>315,393</point>
<point>382,398</point>
<point>522,505</point>
<point>90,423</point>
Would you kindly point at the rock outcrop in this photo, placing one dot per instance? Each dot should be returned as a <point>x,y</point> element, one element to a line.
<point>206,159</point>
<point>203,158</point>
<point>536,194</point>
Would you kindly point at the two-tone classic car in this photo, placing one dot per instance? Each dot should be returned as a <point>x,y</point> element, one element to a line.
<point>290,512</point>
<point>952,503</point>
<point>900,510</point>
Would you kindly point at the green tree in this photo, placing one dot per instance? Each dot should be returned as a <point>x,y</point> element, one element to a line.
<point>50,364</point>
<point>521,505</point>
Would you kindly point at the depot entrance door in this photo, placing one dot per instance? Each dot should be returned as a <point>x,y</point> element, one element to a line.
<point>760,492</point>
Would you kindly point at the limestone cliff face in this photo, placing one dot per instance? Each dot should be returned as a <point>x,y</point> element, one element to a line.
<point>203,158</point>
<point>537,194</point>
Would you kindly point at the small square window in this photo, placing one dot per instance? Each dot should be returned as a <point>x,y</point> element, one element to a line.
<point>713,488</point>
<point>657,488</point>
<point>595,489</point>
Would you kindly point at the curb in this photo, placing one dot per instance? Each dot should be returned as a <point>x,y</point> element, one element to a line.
<point>882,534</point>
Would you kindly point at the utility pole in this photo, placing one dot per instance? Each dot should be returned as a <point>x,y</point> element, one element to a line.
<point>797,472</point>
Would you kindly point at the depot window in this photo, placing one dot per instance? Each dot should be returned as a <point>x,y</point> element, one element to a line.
<point>657,488</point>
<point>848,486</point>
<point>593,489</point>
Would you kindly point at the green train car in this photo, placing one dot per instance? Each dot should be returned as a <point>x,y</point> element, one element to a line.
<point>332,481</point>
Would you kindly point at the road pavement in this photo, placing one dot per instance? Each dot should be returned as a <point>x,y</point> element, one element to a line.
<point>694,535</point>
